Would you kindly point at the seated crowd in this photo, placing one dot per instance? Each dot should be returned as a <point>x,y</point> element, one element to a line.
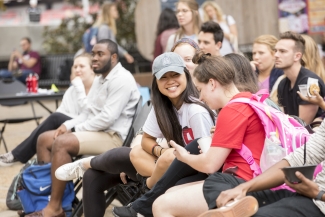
<point>192,86</point>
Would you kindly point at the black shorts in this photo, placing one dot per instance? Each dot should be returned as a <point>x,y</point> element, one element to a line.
<point>216,183</point>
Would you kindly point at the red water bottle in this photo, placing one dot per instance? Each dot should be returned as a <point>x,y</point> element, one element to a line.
<point>34,84</point>
<point>29,83</point>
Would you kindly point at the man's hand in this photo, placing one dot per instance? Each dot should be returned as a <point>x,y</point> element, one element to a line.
<point>17,54</point>
<point>307,187</point>
<point>13,55</point>
<point>180,152</point>
<point>123,178</point>
<point>318,100</point>
<point>61,130</point>
<point>229,195</point>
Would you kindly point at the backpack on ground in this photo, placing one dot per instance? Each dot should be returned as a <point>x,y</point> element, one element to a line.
<point>289,131</point>
<point>34,192</point>
<point>12,200</point>
<point>89,38</point>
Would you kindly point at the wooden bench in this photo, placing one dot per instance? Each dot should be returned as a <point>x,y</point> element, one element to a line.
<point>143,78</point>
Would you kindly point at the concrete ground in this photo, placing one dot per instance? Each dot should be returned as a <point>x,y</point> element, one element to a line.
<point>15,134</point>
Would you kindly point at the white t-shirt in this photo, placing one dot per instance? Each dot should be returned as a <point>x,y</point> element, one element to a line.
<point>226,47</point>
<point>194,119</point>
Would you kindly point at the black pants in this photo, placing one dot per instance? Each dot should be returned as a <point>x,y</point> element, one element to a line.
<point>177,173</point>
<point>105,174</point>
<point>27,149</point>
<point>280,203</point>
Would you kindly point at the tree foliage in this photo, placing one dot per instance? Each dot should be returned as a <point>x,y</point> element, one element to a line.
<point>67,38</point>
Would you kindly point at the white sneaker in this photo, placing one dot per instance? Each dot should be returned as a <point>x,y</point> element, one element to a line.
<point>70,171</point>
<point>245,207</point>
<point>7,159</point>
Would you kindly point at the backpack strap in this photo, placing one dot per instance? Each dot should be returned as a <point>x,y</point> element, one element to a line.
<point>245,153</point>
<point>264,94</point>
<point>258,99</point>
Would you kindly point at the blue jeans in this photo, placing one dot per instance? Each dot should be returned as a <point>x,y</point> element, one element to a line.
<point>4,73</point>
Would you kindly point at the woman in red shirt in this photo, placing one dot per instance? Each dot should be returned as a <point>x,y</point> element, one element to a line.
<point>237,124</point>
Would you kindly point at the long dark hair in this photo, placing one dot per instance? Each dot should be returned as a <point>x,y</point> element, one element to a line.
<point>167,20</point>
<point>166,112</point>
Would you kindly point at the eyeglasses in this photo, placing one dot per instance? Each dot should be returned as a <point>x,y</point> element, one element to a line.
<point>183,11</point>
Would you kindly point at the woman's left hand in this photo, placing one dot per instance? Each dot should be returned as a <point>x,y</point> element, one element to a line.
<point>180,152</point>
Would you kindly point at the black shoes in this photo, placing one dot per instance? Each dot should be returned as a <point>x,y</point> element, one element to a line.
<point>125,211</point>
<point>143,184</point>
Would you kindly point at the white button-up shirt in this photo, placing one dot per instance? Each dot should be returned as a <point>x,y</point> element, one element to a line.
<point>111,104</point>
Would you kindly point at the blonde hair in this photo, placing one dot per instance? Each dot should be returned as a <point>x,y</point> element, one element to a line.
<point>194,7</point>
<point>216,7</point>
<point>311,57</point>
<point>86,55</point>
<point>106,18</point>
<point>268,40</point>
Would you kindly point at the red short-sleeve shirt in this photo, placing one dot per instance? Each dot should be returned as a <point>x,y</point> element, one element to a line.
<point>238,124</point>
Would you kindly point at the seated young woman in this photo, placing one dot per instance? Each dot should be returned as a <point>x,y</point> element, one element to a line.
<point>146,162</point>
<point>177,114</point>
<point>74,99</point>
<point>179,172</point>
<point>237,124</point>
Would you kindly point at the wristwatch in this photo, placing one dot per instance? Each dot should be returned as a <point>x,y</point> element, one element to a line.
<point>73,129</point>
<point>319,195</point>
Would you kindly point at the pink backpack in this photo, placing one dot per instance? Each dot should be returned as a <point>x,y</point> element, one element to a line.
<point>289,131</point>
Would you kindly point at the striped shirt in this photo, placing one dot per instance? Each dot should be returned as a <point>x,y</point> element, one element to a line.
<point>315,155</point>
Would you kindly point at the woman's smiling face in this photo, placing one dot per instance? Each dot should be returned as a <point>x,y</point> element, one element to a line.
<point>172,85</point>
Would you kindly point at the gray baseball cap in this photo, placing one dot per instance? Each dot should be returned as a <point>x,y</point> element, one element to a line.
<point>167,62</point>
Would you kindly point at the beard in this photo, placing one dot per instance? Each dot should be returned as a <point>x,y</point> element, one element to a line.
<point>106,68</point>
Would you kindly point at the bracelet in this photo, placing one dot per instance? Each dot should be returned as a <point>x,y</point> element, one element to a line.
<point>157,152</point>
<point>319,195</point>
<point>160,151</point>
<point>153,149</point>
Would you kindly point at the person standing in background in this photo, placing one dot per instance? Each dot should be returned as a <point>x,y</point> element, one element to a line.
<point>189,21</point>
<point>213,12</point>
<point>167,25</point>
<point>106,24</point>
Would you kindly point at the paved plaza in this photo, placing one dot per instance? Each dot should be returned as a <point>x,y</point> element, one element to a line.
<point>14,134</point>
